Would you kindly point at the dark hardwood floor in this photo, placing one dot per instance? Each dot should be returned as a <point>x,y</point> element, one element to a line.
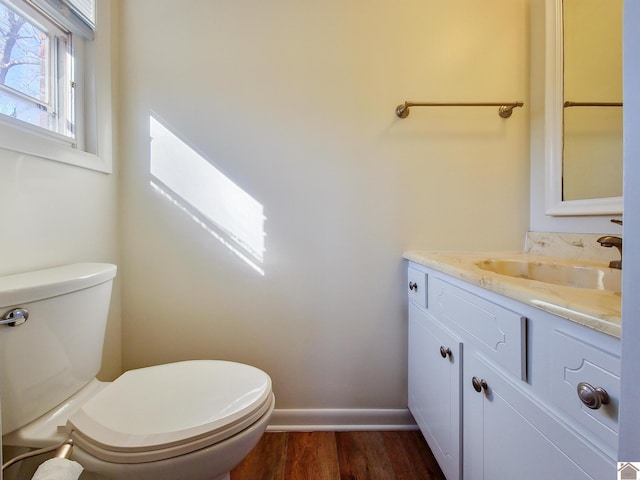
<point>340,456</point>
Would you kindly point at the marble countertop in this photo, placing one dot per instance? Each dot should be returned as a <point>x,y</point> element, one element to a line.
<point>597,309</point>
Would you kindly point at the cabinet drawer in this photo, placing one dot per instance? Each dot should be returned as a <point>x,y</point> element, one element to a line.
<point>417,287</point>
<point>498,332</point>
<point>575,361</point>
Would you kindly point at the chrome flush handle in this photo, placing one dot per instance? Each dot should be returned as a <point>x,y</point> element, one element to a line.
<point>15,317</point>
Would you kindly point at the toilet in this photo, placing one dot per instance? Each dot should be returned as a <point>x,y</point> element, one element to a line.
<point>191,420</point>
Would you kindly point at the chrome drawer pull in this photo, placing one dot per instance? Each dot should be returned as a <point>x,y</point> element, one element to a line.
<point>413,286</point>
<point>592,397</point>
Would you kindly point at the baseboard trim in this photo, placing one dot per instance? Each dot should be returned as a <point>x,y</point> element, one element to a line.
<point>307,420</point>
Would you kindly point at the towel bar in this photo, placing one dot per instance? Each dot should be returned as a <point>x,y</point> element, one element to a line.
<point>592,104</point>
<point>505,110</point>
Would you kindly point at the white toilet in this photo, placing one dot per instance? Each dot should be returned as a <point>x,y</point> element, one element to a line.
<point>192,420</point>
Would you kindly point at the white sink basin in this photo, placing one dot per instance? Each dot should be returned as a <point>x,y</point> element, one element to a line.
<point>577,276</point>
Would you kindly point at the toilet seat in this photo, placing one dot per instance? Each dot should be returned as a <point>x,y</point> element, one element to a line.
<point>159,412</point>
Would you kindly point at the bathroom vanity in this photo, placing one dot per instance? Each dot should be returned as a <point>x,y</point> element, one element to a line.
<point>512,377</point>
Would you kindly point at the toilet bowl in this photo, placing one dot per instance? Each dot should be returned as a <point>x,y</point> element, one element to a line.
<point>192,420</point>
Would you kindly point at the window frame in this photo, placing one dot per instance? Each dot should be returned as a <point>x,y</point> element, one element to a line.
<point>92,147</point>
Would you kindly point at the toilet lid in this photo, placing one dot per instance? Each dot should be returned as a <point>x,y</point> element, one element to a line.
<point>158,412</point>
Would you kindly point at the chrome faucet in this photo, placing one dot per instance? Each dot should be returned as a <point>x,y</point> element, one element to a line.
<point>612,241</point>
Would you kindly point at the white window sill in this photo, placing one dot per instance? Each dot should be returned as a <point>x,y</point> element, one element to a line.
<point>22,140</point>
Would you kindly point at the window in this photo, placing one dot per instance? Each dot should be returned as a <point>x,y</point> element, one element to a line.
<point>35,78</point>
<point>49,82</point>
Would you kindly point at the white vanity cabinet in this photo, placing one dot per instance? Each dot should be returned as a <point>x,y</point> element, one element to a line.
<point>509,433</point>
<point>493,385</point>
<point>435,374</point>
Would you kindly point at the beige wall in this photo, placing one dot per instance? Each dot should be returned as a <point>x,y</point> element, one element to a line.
<point>294,101</point>
<point>592,156</point>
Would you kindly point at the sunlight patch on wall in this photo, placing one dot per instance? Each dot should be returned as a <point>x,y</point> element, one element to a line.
<point>209,197</point>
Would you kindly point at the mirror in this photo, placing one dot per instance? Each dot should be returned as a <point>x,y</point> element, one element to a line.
<point>584,107</point>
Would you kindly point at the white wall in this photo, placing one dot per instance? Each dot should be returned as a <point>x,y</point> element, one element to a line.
<point>294,101</point>
<point>629,413</point>
<point>53,214</point>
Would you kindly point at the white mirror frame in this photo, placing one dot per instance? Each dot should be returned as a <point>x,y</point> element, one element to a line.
<point>554,205</point>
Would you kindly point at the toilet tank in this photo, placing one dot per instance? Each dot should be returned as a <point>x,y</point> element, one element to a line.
<point>58,350</point>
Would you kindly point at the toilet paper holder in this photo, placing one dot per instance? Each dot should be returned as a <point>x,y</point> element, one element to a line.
<point>63,450</point>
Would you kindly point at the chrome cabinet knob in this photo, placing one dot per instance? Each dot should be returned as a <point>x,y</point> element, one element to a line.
<point>413,286</point>
<point>592,397</point>
<point>479,384</point>
<point>445,352</point>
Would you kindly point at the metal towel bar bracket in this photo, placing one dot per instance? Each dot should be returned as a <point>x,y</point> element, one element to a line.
<point>505,108</point>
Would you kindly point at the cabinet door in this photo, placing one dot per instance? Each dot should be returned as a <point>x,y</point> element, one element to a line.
<point>507,434</point>
<point>434,388</point>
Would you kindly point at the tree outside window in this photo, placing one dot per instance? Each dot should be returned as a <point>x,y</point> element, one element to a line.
<point>24,69</point>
